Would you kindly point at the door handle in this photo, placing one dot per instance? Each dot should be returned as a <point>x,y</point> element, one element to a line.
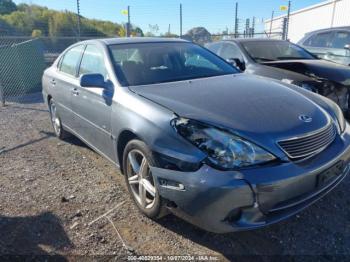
<point>75,92</point>
<point>53,82</point>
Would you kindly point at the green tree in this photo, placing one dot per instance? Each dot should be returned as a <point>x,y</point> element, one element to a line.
<point>6,29</point>
<point>37,33</point>
<point>56,23</point>
<point>122,31</point>
<point>22,21</point>
<point>199,35</point>
<point>137,31</point>
<point>7,7</point>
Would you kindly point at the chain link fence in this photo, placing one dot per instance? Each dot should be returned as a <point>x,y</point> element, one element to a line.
<point>23,61</point>
<point>21,66</point>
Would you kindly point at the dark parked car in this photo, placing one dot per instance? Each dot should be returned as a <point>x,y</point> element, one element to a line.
<point>331,44</point>
<point>224,150</point>
<point>289,63</point>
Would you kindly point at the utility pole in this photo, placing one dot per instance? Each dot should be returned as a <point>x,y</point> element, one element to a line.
<point>247,26</point>
<point>180,20</point>
<point>288,17</point>
<point>253,26</point>
<point>284,28</point>
<point>333,12</point>
<point>236,20</point>
<point>78,9</point>
<point>169,29</point>
<point>272,16</point>
<point>128,27</point>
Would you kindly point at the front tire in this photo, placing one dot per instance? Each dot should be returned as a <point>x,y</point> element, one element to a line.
<point>137,159</point>
<point>56,121</point>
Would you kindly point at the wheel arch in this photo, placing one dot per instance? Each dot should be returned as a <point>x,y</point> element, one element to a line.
<point>123,139</point>
<point>49,97</point>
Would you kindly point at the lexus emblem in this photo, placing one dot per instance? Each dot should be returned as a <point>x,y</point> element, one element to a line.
<point>305,118</point>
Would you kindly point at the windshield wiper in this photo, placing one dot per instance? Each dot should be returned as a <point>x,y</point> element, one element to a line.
<point>263,59</point>
<point>291,58</point>
<point>187,78</point>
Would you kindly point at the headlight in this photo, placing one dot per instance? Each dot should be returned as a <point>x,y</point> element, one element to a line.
<point>224,150</point>
<point>340,116</point>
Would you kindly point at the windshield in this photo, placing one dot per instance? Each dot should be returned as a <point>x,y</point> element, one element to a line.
<point>150,63</point>
<point>266,51</point>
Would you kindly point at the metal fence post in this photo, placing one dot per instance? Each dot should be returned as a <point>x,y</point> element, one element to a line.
<point>2,94</point>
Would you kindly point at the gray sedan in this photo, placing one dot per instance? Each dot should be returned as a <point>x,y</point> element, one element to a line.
<point>193,136</point>
<point>331,44</point>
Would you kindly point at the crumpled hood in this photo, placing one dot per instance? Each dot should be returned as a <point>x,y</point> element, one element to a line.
<point>256,108</point>
<point>315,68</point>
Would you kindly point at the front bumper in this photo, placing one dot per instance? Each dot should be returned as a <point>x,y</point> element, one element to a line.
<point>227,201</point>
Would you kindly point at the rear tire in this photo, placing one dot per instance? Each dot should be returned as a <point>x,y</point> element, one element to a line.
<point>56,121</point>
<point>137,159</point>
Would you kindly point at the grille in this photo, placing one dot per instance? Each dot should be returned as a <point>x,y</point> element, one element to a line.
<point>310,144</point>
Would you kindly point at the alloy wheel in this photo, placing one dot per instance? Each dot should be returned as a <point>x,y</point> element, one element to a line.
<point>56,123</point>
<point>140,179</point>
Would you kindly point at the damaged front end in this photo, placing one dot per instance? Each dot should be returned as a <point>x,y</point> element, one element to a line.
<point>322,78</point>
<point>332,90</point>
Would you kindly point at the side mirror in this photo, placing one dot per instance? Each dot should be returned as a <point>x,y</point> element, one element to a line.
<point>236,62</point>
<point>92,80</point>
<point>347,47</point>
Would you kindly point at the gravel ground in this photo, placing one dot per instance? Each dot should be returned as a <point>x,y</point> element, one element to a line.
<point>54,196</point>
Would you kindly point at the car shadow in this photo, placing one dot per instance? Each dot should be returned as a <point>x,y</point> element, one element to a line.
<point>230,245</point>
<point>29,108</point>
<point>45,136</point>
<point>34,98</point>
<point>73,140</point>
<point>28,236</point>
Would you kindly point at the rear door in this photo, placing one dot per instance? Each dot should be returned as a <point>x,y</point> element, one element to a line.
<point>319,44</point>
<point>64,81</point>
<point>92,106</point>
<point>339,54</point>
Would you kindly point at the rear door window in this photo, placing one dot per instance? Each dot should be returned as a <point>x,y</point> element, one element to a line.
<point>319,40</point>
<point>71,59</point>
<point>341,38</point>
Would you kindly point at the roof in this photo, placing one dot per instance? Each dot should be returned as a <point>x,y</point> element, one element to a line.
<point>131,40</point>
<point>330,28</point>
<point>244,40</point>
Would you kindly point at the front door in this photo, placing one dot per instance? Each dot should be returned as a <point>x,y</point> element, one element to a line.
<point>92,106</point>
<point>64,81</point>
<point>338,53</point>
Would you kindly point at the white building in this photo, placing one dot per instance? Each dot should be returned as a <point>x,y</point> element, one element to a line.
<point>332,13</point>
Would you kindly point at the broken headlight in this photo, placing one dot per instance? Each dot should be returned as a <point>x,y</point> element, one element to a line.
<point>224,150</point>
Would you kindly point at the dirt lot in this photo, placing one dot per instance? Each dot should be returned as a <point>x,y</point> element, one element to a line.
<point>52,194</point>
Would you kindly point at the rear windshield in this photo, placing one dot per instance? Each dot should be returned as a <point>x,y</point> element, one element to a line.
<point>274,51</point>
<point>151,63</point>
